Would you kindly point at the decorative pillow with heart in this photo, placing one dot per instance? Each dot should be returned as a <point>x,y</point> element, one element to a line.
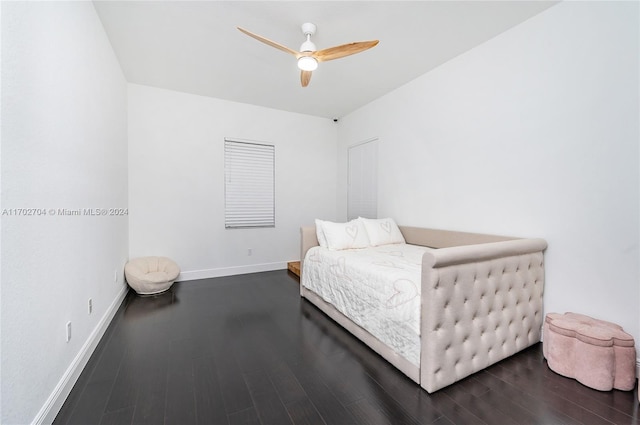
<point>345,235</point>
<point>322,240</point>
<point>382,231</point>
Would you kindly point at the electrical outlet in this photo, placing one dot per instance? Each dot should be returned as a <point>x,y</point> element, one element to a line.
<point>90,305</point>
<point>249,251</point>
<point>68,331</point>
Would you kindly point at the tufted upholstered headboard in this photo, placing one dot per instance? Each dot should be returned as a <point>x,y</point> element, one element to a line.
<point>436,238</point>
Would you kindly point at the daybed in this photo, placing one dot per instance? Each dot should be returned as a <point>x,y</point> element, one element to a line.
<point>478,300</point>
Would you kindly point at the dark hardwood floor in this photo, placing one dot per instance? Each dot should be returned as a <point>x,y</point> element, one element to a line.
<point>247,350</point>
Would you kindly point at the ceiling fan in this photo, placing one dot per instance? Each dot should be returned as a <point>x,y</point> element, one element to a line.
<point>308,57</point>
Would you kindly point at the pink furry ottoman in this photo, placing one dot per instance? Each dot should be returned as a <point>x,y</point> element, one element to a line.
<point>596,353</point>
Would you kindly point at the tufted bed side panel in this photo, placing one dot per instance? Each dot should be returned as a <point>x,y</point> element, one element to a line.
<point>480,304</point>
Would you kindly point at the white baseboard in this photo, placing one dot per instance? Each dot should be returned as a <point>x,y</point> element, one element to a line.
<point>54,403</point>
<point>230,271</point>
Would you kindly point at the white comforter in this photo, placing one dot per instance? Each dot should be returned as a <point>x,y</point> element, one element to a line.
<point>378,288</point>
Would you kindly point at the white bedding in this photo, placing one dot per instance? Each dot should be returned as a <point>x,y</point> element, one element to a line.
<point>378,288</point>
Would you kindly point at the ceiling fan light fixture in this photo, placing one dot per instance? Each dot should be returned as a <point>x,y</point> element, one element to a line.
<point>307,63</point>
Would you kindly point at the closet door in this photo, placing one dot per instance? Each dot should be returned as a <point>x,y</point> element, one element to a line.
<point>363,180</point>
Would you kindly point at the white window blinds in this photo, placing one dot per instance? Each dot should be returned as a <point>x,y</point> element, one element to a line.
<point>249,170</point>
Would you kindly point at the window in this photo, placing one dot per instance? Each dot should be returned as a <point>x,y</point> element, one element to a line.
<point>249,171</point>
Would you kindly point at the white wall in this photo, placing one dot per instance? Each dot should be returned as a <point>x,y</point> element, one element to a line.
<point>534,133</point>
<point>64,145</point>
<point>176,180</point>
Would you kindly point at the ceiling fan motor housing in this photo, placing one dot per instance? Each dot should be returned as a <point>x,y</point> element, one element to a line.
<point>308,46</point>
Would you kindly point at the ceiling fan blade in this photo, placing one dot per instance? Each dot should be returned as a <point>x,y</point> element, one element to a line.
<point>338,52</point>
<point>305,77</point>
<point>270,43</point>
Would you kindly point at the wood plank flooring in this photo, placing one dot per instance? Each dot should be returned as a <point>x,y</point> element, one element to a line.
<point>248,350</point>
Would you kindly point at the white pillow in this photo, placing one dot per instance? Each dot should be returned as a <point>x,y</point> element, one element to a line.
<point>345,235</point>
<point>382,231</point>
<point>322,240</point>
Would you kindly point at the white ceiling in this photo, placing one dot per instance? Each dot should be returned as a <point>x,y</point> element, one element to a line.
<point>194,46</point>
